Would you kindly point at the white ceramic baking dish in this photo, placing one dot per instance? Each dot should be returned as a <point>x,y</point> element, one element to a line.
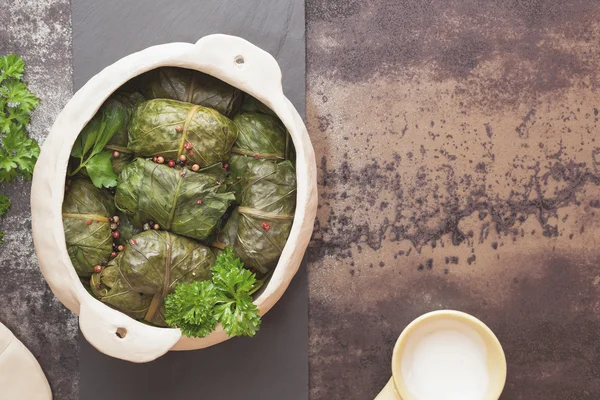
<point>229,58</point>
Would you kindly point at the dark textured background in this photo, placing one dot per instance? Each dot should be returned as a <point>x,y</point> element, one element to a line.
<point>458,154</point>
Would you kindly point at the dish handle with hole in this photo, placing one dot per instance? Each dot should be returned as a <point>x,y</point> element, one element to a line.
<point>118,335</point>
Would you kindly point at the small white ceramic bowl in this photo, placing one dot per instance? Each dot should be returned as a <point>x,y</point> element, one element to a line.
<point>229,58</point>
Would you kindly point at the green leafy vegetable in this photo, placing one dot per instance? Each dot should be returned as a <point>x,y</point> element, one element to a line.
<point>153,263</point>
<point>170,197</point>
<point>89,147</point>
<point>86,212</point>
<point>16,101</point>
<point>171,128</point>
<point>18,153</point>
<point>197,307</point>
<point>191,308</point>
<point>192,87</point>
<point>4,206</point>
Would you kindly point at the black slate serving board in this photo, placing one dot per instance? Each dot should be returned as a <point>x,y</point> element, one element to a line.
<point>274,364</point>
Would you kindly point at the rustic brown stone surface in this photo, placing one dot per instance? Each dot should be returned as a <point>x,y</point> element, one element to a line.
<point>459,151</point>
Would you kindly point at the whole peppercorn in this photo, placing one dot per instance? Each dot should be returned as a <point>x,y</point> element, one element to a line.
<point>116,154</point>
<point>88,222</point>
<point>113,254</point>
<point>218,182</point>
<point>265,225</point>
<point>133,241</point>
<point>160,159</point>
<point>256,155</point>
<point>156,227</point>
<point>114,227</point>
<point>116,234</point>
<point>179,129</point>
<point>111,220</point>
<point>146,227</point>
<point>154,158</point>
<point>188,146</point>
<point>121,248</point>
<point>226,166</point>
<point>199,202</point>
<point>116,219</point>
<point>104,263</point>
<point>151,223</point>
<point>171,163</point>
<point>97,269</point>
<point>195,167</point>
<point>182,158</point>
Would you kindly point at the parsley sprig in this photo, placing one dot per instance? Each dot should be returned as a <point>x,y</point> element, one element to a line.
<point>4,206</point>
<point>18,153</point>
<point>89,151</point>
<point>197,307</point>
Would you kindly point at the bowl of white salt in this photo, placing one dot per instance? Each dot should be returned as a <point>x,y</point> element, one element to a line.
<point>446,355</point>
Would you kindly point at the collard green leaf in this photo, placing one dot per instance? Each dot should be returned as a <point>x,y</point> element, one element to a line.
<point>137,280</point>
<point>266,212</point>
<point>156,192</point>
<point>250,104</point>
<point>126,102</point>
<point>191,87</point>
<point>100,170</point>
<point>110,287</point>
<point>261,138</point>
<point>127,228</point>
<point>163,127</point>
<point>86,210</point>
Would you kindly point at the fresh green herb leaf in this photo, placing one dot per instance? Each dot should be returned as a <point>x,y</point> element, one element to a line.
<point>4,204</point>
<point>89,147</point>
<point>18,155</point>
<point>197,307</point>
<point>100,170</point>
<point>11,66</point>
<point>190,307</point>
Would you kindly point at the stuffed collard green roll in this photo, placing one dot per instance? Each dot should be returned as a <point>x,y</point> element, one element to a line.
<point>185,202</point>
<point>137,280</point>
<point>171,128</point>
<point>260,138</point>
<point>264,217</point>
<point>192,87</point>
<point>86,212</point>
